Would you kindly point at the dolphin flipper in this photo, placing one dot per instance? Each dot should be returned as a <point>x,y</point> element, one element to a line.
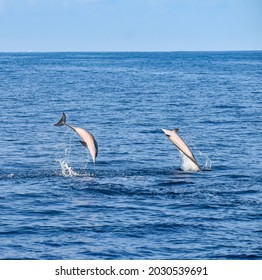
<point>62,120</point>
<point>83,143</point>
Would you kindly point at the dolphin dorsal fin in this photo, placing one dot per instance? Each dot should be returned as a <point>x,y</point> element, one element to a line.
<point>176,129</point>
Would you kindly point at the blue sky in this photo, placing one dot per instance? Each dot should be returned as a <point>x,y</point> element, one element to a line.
<point>130,25</point>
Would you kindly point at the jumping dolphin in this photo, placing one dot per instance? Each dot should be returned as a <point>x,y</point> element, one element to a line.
<point>192,164</point>
<point>88,139</point>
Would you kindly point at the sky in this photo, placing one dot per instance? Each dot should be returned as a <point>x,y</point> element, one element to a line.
<point>130,25</point>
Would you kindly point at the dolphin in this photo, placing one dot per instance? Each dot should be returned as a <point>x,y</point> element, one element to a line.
<point>173,136</point>
<point>88,140</point>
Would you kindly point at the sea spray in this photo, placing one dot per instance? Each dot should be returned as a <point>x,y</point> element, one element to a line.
<point>203,160</point>
<point>208,163</point>
<point>66,169</point>
<point>187,164</point>
<point>67,158</point>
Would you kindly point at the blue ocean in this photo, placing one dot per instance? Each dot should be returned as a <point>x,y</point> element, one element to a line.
<point>135,202</point>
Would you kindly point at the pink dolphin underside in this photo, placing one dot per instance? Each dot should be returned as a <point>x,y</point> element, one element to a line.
<point>88,140</point>
<point>181,145</point>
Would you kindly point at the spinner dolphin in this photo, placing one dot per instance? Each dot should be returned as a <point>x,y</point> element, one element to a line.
<point>188,158</point>
<point>88,140</point>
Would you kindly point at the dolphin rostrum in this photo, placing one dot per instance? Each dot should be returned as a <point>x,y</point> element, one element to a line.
<point>183,148</point>
<point>88,139</point>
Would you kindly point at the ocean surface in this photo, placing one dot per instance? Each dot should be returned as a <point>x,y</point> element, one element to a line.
<point>135,202</point>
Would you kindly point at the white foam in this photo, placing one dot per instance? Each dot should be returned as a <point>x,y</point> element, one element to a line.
<point>66,169</point>
<point>187,164</point>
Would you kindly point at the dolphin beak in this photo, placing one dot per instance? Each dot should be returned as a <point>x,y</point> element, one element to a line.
<point>166,132</point>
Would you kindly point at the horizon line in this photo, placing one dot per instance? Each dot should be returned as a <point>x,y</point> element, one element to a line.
<point>128,51</point>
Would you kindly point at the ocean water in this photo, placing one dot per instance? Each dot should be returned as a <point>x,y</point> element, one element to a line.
<point>135,202</point>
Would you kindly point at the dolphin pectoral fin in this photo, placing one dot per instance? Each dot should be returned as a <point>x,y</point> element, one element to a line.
<point>83,143</point>
<point>62,120</point>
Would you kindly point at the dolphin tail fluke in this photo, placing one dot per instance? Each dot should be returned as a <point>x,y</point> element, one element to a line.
<point>62,120</point>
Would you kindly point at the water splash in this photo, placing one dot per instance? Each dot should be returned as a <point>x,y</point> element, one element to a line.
<point>67,158</point>
<point>66,169</point>
<point>208,163</point>
<point>187,164</point>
